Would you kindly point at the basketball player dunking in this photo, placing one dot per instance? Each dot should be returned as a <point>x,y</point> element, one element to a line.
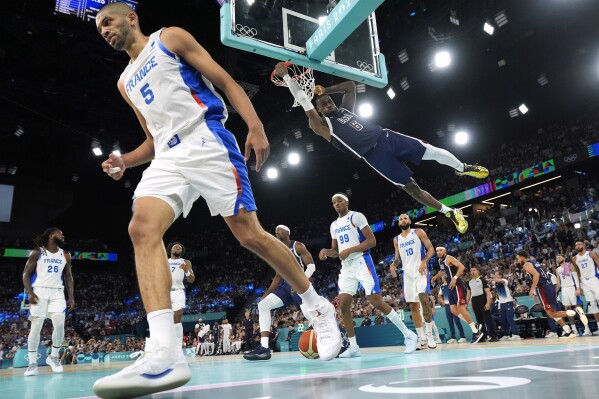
<point>543,290</point>
<point>169,84</point>
<point>588,264</point>
<point>351,240</point>
<point>413,250</point>
<point>180,270</point>
<point>569,284</point>
<point>280,294</point>
<point>383,150</point>
<point>453,270</point>
<point>43,281</point>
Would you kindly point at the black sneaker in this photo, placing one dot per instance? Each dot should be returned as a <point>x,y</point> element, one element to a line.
<point>478,336</point>
<point>260,353</point>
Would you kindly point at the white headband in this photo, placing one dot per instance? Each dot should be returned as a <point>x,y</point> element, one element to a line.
<point>440,247</point>
<point>282,226</point>
<point>341,196</point>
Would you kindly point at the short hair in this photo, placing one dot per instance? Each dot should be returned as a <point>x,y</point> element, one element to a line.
<point>322,96</point>
<point>579,241</point>
<point>118,7</point>
<point>499,272</point>
<point>523,254</point>
<point>172,244</point>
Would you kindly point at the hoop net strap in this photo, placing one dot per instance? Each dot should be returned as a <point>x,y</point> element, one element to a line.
<point>302,75</point>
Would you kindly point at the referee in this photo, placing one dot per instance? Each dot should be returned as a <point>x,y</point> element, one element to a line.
<point>480,294</point>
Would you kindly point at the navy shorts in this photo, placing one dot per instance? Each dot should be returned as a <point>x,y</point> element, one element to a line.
<point>548,297</point>
<point>283,291</point>
<point>391,152</point>
<point>457,295</point>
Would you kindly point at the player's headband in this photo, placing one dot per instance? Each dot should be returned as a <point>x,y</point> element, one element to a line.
<point>440,247</point>
<point>340,195</point>
<point>282,226</point>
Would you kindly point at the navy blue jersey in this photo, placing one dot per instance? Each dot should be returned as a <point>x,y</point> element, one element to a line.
<point>544,279</point>
<point>351,133</point>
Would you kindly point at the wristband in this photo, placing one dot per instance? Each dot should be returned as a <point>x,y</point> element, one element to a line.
<point>455,278</point>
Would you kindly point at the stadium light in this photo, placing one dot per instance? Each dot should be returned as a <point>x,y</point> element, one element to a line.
<point>442,59</point>
<point>97,151</point>
<point>293,158</point>
<point>272,173</point>
<point>523,108</point>
<point>365,110</point>
<point>391,93</point>
<point>461,137</point>
<point>487,27</point>
<point>117,153</point>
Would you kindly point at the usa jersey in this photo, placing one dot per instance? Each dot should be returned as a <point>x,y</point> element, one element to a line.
<point>178,274</point>
<point>586,265</point>
<point>353,133</point>
<point>172,96</point>
<point>48,272</point>
<point>347,230</point>
<point>411,251</point>
<point>544,278</point>
<point>296,255</point>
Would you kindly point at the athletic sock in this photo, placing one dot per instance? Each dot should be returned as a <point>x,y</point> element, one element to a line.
<point>264,342</point>
<point>310,298</point>
<point>55,351</point>
<point>420,332</point>
<point>429,329</point>
<point>162,327</point>
<point>397,321</point>
<point>567,329</point>
<point>473,327</point>
<point>445,209</point>
<point>32,357</point>
<point>353,343</point>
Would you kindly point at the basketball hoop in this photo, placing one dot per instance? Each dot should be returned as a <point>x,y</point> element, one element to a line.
<point>302,75</point>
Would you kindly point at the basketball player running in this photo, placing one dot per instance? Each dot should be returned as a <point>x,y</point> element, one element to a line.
<point>169,84</point>
<point>588,264</point>
<point>382,149</point>
<point>180,270</point>
<point>43,281</point>
<point>453,270</point>
<point>543,290</point>
<point>351,241</point>
<point>569,284</point>
<point>413,250</point>
<point>280,294</point>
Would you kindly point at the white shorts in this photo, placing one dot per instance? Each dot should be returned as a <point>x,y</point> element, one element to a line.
<point>203,163</point>
<point>569,296</point>
<point>359,271</point>
<point>414,285</point>
<point>590,288</point>
<point>51,300</point>
<point>178,299</point>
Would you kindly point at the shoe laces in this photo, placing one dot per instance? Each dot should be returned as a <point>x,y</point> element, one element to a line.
<point>32,367</point>
<point>144,358</point>
<point>321,326</point>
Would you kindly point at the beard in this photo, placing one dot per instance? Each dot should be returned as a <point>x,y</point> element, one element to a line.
<point>177,254</point>
<point>405,227</point>
<point>58,242</point>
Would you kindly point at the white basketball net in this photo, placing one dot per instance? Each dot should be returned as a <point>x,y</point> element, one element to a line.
<point>302,75</point>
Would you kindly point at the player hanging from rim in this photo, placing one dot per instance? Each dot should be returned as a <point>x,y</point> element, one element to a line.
<point>43,281</point>
<point>180,270</point>
<point>384,150</point>
<point>543,290</point>
<point>569,284</point>
<point>280,294</point>
<point>453,270</point>
<point>351,240</point>
<point>588,265</point>
<point>413,250</point>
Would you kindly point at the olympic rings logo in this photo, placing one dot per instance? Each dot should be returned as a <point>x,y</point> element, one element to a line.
<point>364,66</point>
<point>246,31</point>
<point>570,158</point>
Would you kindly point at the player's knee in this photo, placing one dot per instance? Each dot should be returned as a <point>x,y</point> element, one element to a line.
<point>142,230</point>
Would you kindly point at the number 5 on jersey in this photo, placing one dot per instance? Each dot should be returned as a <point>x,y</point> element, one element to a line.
<point>147,93</point>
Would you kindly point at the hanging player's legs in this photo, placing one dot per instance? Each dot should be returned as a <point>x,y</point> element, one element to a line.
<point>266,305</point>
<point>445,157</point>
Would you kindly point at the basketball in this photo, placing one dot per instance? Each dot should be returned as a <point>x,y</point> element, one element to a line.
<point>307,345</point>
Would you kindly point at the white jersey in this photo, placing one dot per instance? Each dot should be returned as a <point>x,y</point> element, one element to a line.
<point>226,330</point>
<point>586,265</point>
<point>178,274</point>
<point>173,97</point>
<point>347,230</point>
<point>48,272</point>
<point>570,280</point>
<point>411,251</point>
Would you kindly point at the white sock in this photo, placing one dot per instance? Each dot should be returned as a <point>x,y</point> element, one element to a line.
<point>353,343</point>
<point>54,351</point>
<point>420,332</point>
<point>179,333</point>
<point>473,327</point>
<point>264,342</point>
<point>162,327</point>
<point>395,319</point>
<point>442,156</point>
<point>567,329</point>
<point>32,357</point>
<point>445,209</point>
<point>311,298</point>
<point>429,329</point>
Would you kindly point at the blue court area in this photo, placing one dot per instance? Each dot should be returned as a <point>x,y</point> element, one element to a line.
<point>532,369</point>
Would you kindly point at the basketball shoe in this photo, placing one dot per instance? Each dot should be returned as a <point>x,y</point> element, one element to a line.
<point>473,170</point>
<point>352,351</point>
<point>54,363</point>
<point>328,336</point>
<point>156,369</point>
<point>31,370</point>
<point>457,218</point>
<point>411,342</point>
<point>260,353</point>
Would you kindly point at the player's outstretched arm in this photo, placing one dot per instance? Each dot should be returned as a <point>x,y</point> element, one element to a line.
<point>27,272</point>
<point>348,88</point>
<point>182,43</point>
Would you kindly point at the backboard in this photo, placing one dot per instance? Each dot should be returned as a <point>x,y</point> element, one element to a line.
<point>280,29</point>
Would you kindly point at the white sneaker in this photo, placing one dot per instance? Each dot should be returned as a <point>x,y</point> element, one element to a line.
<point>505,338</point>
<point>352,351</point>
<point>31,370</point>
<point>328,336</point>
<point>157,369</point>
<point>53,362</point>
<point>438,340</point>
<point>586,333</point>
<point>516,338</point>
<point>452,341</point>
<point>411,342</point>
<point>583,317</point>
<point>421,344</point>
<point>551,335</point>
<point>431,341</point>
<point>462,341</point>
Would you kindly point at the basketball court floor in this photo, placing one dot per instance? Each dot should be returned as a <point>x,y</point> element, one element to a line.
<point>529,369</point>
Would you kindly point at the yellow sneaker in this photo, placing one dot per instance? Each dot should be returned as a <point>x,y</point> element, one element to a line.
<point>477,171</point>
<point>457,218</point>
